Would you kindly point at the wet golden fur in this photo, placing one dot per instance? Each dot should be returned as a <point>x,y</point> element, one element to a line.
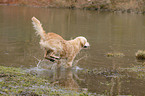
<point>54,44</point>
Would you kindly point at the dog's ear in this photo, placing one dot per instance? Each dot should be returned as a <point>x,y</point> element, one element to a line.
<point>82,42</point>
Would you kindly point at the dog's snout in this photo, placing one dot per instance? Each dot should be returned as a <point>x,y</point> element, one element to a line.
<point>86,45</point>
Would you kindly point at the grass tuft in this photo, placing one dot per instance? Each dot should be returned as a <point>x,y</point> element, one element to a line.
<point>115,54</point>
<point>140,54</point>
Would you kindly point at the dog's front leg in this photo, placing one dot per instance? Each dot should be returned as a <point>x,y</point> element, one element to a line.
<point>69,64</point>
<point>69,61</point>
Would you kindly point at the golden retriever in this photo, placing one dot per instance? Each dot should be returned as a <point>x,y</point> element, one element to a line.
<point>56,47</point>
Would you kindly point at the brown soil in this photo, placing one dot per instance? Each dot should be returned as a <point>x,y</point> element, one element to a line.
<point>137,6</point>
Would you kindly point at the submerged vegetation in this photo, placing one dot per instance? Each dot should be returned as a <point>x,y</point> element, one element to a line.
<point>140,54</point>
<point>135,6</point>
<point>139,70</point>
<point>15,81</point>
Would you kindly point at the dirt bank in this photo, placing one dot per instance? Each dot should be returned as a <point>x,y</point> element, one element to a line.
<point>37,3</point>
<point>137,6</point>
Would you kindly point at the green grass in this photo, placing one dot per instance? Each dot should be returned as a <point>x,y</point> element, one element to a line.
<point>15,81</point>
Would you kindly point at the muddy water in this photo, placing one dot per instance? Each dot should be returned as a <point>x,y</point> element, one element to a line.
<point>106,32</point>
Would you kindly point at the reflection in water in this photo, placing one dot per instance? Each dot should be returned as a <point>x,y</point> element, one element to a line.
<point>66,78</point>
<point>106,32</point>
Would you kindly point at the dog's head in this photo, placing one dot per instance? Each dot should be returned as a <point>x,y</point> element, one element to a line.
<point>83,42</point>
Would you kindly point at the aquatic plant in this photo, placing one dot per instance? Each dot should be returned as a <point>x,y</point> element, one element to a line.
<point>114,54</point>
<point>140,54</point>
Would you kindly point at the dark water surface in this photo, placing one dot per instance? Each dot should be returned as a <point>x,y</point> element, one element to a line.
<point>106,32</point>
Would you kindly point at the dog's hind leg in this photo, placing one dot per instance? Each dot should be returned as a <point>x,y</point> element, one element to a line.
<point>55,57</point>
<point>45,53</point>
<point>48,52</point>
<point>52,55</point>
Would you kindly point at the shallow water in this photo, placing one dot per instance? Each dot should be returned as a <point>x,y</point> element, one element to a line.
<point>106,32</point>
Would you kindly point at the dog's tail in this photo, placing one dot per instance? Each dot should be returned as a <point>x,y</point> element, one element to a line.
<point>38,27</point>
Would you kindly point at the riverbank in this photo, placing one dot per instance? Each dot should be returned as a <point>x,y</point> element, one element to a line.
<point>16,81</point>
<point>129,6</point>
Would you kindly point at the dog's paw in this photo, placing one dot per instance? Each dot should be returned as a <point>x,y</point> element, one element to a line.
<point>50,59</point>
<point>55,57</point>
